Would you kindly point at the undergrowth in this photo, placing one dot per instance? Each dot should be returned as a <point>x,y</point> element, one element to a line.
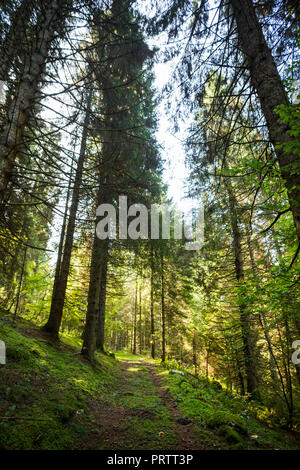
<point>45,390</point>
<point>227,420</point>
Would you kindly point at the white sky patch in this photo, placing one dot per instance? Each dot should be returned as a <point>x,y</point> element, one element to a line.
<point>175,171</point>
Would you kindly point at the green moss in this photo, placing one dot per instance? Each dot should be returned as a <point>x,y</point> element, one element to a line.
<point>230,434</point>
<point>17,353</point>
<point>17,393</point>
<point>48,394</point>
<point>44,393</point>
<point>221,418</point>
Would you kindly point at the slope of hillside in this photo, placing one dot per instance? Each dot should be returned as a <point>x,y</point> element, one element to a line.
<point>50,398</point>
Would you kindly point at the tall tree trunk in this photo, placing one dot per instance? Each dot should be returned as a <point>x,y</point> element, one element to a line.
<point>239,373</point>
<point>163,316</point>
<point>245,318</point>
<point>195,362</point>
<point>135,317</point>
<point>140,321</point>
<point>20,283</point>
<point>152,330</point>
<point>92,315</point>
<point>22,107</point>
<point>289,381</point>
<point>58,298</point>
<point>62,240</point>
<point>268,84</point>
<point>10,272</point>
<point>100,247</point>
<point>102,302</point>
<point>264,323</point>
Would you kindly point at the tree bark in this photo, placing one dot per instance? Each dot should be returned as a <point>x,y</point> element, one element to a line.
<point>134,318</point>
<point>140,322</point>
<point>102,302</point>
<point>58,298</point>
<point>245,319</point>
<point>163,319</point>
<point>20,284</point>
<point>61,242</point>
<point>264,323</point>
<point>195,362</point>
<point>152,327</point>
<point>271,93</point>
<point>92,315</point>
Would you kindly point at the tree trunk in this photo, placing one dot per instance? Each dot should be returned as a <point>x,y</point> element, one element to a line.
<point>92,315</point>
<point>195,362</point>
<point>264,323</point>
<point>140,321</point>
<point>239,373</point>
<point>102,301</point>
<point>20,284</point>
<point>245,319</point>
<point>268,84</point>
<point>59,291</point>
<point>134,318</point>
<point>152,330</point>
<point>61,242</point>
<point>163,319</point>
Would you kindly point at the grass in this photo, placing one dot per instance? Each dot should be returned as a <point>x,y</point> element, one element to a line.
<point>148,421</point>
<point>45,393</point>
<point>127,356</point>
<point>51,398</point>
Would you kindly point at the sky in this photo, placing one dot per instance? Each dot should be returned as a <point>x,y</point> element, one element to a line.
<point>175,172</point>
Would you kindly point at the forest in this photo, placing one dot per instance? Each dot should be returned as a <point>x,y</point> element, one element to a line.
<point>119,337</point>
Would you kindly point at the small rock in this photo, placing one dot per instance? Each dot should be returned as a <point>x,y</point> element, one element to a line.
<point>183,421</point>
<point>173,371</point>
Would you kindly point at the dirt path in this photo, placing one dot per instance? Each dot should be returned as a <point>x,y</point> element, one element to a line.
<point>186,436</point>
<point>141,414</point>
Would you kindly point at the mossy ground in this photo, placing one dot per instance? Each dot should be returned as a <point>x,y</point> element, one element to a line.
<point>225,420</point>
<point>45,392</point>
<point>51,398</point>
<point>144,423</point>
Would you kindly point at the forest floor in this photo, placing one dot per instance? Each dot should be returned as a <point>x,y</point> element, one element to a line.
<point>144,414</point>
<point>51,398</point>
